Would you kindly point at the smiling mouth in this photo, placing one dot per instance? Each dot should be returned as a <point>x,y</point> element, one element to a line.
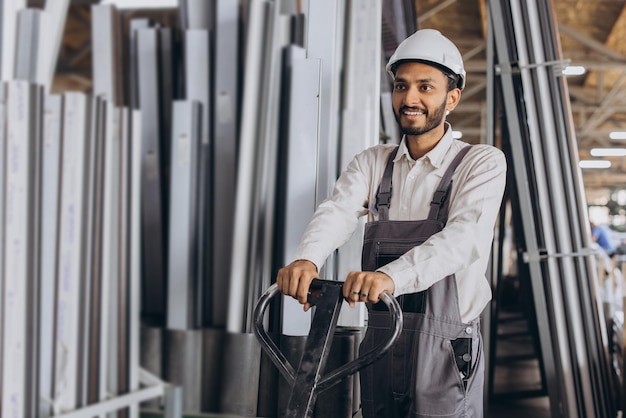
<point>409,112</point>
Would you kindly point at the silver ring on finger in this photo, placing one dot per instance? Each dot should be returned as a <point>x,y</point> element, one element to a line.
<point>364,295</point>
<point>354,292</point>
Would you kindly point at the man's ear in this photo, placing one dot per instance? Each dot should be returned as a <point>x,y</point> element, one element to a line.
<point>454,96</point>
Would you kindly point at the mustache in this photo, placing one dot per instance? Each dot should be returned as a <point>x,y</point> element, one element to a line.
<point>413,109</point>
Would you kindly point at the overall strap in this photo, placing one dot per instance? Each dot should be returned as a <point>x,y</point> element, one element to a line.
<point>383,194</point>
<point>445,184</point>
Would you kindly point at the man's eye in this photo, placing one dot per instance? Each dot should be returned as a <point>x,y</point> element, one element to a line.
<point>399,87</point>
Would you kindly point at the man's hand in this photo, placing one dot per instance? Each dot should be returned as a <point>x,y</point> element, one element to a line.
<point>294,280</point>
<point>366,286</point>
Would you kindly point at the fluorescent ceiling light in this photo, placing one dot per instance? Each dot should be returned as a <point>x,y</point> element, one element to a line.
<point>617,135</point>
<point>457,134</point>
<point>594,164</point>
<point>574,70</point>
<point>608,152</point>
<point>142,4</point>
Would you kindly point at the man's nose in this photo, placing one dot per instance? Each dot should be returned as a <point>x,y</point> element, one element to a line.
<point>412,97</point>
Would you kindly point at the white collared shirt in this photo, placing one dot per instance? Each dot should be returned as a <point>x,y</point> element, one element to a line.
<point>462,248</point>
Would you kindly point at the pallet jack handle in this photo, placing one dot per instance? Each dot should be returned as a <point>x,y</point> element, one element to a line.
<point>327,297</point>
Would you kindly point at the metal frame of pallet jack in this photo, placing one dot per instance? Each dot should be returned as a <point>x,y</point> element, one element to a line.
<point>327,297</point>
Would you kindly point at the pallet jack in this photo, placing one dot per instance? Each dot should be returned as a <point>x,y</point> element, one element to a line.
<point>326,296</point>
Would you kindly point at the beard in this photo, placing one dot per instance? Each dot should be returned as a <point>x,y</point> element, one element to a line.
<point>432,120</point>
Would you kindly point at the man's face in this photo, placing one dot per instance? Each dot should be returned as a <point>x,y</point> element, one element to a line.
<point>421,97</point>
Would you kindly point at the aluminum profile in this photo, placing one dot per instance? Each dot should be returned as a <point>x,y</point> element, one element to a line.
<point>27,52</point>
<point>184,232</point>
<point>198,88</point>
<point>225,120</point>
<point>107,53</point>
<point>297,198</point>
<point>153,199</point>
<point>72,245</point>
<point>50,192</point>
<point>21,258</point>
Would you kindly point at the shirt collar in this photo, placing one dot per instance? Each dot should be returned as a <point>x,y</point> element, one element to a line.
<point>435,156</point>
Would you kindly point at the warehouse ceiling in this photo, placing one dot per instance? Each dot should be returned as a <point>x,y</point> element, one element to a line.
<point>591,35</point>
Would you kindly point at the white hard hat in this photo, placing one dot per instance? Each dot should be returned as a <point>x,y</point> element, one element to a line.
<point>431,46</point>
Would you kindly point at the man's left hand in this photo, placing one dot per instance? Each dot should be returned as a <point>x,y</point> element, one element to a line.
<point>366,286</point>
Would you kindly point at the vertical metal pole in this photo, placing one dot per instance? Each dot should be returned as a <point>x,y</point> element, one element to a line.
<point>134,254</point>
<point>90,333</point>
<point>21,267</point>
<point>184,232</point>
<point>106,47</point>
<point>9,36</point>
<point>225,119</point>
<point>154,281</point>
<point>27,51</point>
<point>3,194</point>
<point>197,77</point>
<point>52,131</point>
<point>72,243</point>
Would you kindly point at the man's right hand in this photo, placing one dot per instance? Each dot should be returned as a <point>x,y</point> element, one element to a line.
<point>295,279</point>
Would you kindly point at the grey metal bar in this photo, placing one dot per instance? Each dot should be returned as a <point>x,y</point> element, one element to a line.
<point>72,250</point>
<point>110,274</point>
<point>153,272</point>
<point>248,139</point>
<point>297,196</point>
<point>198,79</point>
<point>9,29</point>
<point>124,295</point>
<point>184,233</point>
<point>50,191</point>
<point>89,321</point>
<point>27,51</point>
<point>198,14</point>
<point>133,65</point>
<point>225,120</point>
<point>134,254</point>
<point>21,259</point>
<point>3,193</point>
<point>107,53</point>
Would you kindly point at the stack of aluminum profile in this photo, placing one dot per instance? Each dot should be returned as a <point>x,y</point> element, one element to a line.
<point>542,152</point>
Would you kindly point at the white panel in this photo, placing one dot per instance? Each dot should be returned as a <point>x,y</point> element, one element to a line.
<point>74,173</point>
<point>9,36</point>
<point>21,251</point>
<point>50,189</point>
<point>110,255</point>
<point>300,203</point>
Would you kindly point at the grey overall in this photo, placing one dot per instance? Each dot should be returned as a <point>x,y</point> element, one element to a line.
<point>435,369</point>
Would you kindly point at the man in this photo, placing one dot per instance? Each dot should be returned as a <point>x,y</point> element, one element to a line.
<point>431,207</point>
<point>601,235</point>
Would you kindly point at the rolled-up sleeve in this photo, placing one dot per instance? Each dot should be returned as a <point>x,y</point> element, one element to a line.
<point>336,219</point>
